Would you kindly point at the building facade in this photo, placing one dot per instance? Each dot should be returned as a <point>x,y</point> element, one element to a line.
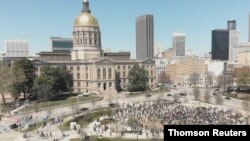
<point>231,24</point>
<point>234,37</point>
<point>186,67</point>
<point>92,71</point>
<point>168,54</point>
<point>145,37</point>
<point>16,48</point>
<point>117,55</point>
<point>244,58</point>
<point>220,44</point>
<point>179,43</point>
<point>59,44</point>
<point>158,49</point>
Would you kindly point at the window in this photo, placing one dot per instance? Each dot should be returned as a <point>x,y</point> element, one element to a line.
<point>152,80</point>
<point>98,73</point>
<point>78,75</point>
<point>87,76</point>
<point>151,73</point>
<point>118,67</point>
<point>78,84</point>
<point>78,68</point>
<point>110,84</point>
<point>87,84</point>
<point>71,68</point>
<point>110,73</point>
<point>124,67</point>
<point>104,73</point>
<point>87,68</point>
<point>124,74</point>
<point>129,67</point>
<point>99,85</point>
<point>124,81</point>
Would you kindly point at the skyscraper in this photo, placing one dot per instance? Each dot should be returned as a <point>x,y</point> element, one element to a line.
<point>179,43</point>
<point>145,37</point>
<point>234,36</point>
<point>249,28</point>
<point>231,24</point>
<point>16,48</point>
<point>220,44</point>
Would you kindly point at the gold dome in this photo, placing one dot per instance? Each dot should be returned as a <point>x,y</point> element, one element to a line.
<point>86,19</point>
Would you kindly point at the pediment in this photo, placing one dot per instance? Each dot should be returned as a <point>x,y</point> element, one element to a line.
<point>104,62</point>
<point>148,61</point>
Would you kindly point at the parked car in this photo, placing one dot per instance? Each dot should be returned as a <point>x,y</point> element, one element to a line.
<point>13,126</point>
<point>182,94</point>
<point>169,95</point>
<point>228,98</point>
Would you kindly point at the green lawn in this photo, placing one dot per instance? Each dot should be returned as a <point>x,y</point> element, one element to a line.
<point>52,104</point>
<point>86,119</point>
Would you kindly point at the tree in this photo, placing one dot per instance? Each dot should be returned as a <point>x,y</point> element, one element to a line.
<point>54,81</point>
<point>243,76</point>
<point>209,79</point>
<point>118,82</point>
<point>138,79</point>
<point>207,96</point>
<point>24,86</point>
<point>224,81</point>
<point>196,92</point>
<point>164,77</point>
<point>219,99</point>
<point>7,81</point>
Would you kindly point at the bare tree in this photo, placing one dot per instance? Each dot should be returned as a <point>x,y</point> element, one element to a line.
<point>246,105</point>
<point>224,81</point>
<point>207,96</point>
<point>196,93</point>
<point>209,79</point>
<point>7,81</point>
<point>219,99</point>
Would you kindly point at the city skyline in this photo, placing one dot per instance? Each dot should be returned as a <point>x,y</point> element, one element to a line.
<point>37,25</point>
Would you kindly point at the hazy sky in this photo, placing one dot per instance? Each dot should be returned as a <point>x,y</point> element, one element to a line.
<point>37,20</point>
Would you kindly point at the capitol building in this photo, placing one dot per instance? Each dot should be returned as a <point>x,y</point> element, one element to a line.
<point>93,72</point>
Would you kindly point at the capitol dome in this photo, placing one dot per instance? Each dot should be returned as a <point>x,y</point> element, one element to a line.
<point>86,19</point>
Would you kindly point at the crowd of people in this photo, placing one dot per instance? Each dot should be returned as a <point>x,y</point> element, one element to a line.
<point>172,113</point>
